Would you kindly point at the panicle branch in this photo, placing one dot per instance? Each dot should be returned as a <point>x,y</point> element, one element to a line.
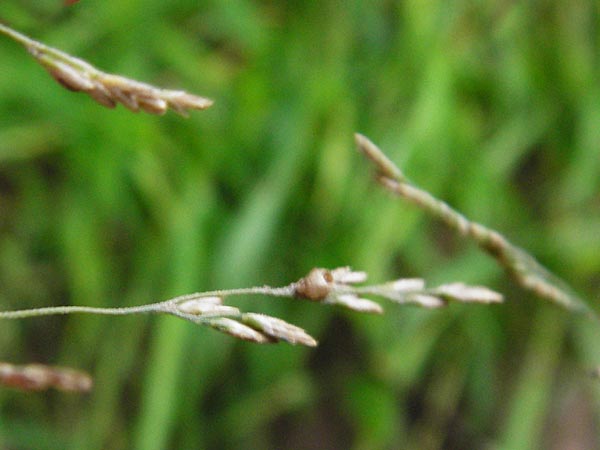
<point>107,89</point>
<point>520,265</point>
<point>333,287</point>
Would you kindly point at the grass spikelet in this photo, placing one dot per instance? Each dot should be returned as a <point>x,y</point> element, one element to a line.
<point>107,89</point>
<point>39,377</point>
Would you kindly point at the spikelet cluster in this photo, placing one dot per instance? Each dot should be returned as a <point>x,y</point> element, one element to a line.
<point>252,327</point>
<point>109,90</point>
<point>39,377</point>
<point>337,287</point>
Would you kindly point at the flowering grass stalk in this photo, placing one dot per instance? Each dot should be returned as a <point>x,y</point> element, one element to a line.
<point>335,287</point>
<point>519,264</point>
<point>107,89</point>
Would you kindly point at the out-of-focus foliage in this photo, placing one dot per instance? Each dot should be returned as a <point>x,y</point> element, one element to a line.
<point>493,106</point>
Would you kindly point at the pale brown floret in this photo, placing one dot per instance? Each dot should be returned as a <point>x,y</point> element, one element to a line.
<point>240,331</point>
<point>108,89</point>
<point>278,329</point>
<point>37,377</point>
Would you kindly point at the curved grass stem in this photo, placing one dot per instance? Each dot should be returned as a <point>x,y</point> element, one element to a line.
<point>519,264</point>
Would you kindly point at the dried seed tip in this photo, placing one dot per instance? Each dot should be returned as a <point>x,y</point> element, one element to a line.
<point>240,331</point>
<point>469,294</point>
<point>183,100</point>
<point>408,285</point>
<point>345,275</point>
<point>383,163</point>
<point>153,105</point>
<point>278,329</point>
<point>427,301</point>
<point>355,303</point>
<point>316,286</point>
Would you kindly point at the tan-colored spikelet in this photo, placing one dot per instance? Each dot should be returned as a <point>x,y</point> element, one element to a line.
<point>39,377</point>
<point>240,331</point>
<point>337,287</point>
<point>359,304</point>
<point>107,89</point>
<point>461,292</point>
<point>278,329</point>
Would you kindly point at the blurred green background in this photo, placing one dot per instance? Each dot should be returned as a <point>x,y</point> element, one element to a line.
<point>492,106</point>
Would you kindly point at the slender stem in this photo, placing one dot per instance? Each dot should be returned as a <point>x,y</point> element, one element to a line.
<point>16,36</point>
<point>285,291</point>
<point>167,306</point>
<point>52,55</point>
<point>58,310</point>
